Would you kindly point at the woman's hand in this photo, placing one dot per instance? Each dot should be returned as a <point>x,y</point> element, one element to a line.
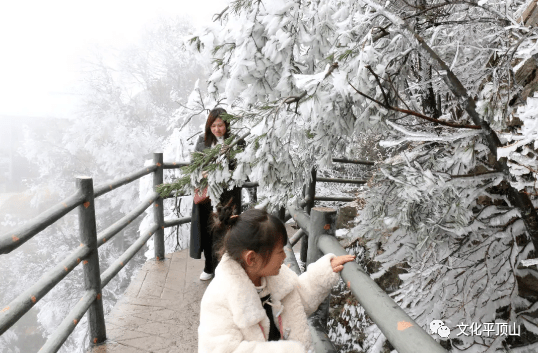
<point>338,262</point>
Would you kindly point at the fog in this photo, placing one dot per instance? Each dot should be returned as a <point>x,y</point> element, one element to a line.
<point>57,121</point>
<point>44,44</point>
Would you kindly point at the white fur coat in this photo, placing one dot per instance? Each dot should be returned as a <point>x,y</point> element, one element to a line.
<point>232,316</point>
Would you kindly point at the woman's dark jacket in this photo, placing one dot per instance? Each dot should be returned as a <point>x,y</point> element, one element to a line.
<point>197,233</point>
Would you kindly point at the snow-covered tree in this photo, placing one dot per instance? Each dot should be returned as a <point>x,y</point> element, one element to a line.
<point>442,84</point>
<point>130,97</point>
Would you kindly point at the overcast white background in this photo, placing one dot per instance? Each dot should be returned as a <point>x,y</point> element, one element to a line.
<point>42,42</point>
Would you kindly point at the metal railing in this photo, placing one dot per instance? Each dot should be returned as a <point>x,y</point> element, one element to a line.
<point>309,197</point>
<point>317,228</point>
<point>405,335</point>
<point>87,253</point>
<point>318,320</point>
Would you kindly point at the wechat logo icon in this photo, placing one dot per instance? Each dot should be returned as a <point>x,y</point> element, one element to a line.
<point>438,327</point>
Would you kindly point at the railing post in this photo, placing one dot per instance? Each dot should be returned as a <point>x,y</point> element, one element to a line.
<point>310,193</point>
<point>282,214</point>
<point>322,221</point>
<point>252,195</point>
<point>158,208</point>
<point>92,273</point>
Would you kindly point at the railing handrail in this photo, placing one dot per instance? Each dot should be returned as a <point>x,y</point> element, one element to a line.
<point>341,181</point>
<point>116,183</point>
<point>11,240</point>
<point>405,335</point>
<point>127,255</point>
<point>175,165</point>
<point>297,236</point>
<point>26,300</point>
<point>398,327</point>
<point>334,198</point>
<point>171,222</point>
<point>68,324</point>
<point>123,222</point>
<point>353,161</point>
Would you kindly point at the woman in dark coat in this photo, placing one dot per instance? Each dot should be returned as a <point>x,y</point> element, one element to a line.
<point>216,130</point>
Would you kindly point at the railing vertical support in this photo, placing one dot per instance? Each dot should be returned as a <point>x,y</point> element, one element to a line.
<point>322,221</point>
<point>252,195</point>
<point>158,208</point>
<point>281,214</point>
<point>310,193</point>
<point>92,273</point>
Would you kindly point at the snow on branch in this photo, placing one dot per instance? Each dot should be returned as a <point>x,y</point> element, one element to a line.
<point>423,136</point>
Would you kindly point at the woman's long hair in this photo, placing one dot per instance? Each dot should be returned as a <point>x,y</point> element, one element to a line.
<point>214,114</point>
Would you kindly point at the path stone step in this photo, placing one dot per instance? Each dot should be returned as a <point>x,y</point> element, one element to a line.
<point>159,312</point>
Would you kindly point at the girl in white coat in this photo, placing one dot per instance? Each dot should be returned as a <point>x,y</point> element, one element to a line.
<point>255,304</point>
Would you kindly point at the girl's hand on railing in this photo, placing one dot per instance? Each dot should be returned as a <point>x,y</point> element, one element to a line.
<point>338,262</point>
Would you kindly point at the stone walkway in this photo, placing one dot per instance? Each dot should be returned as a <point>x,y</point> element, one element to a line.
<point>160,310</point>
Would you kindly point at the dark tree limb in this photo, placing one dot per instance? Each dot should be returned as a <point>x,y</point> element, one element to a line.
<point>333,66</point>
<point>294,99</point>
<point>380,33</point>
<point>218,16</point>
<point>518,199</point>
<point>418,115</point>
<point>379,84</point>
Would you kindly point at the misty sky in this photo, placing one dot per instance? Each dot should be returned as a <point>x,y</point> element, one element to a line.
<point>42,43</point>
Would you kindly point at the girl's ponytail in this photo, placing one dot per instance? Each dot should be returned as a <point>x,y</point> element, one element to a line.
<point>220,223</point>
<point>254,230</point>
<point>224,218</point>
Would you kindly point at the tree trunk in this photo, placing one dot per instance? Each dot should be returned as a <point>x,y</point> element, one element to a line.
<point>518,199</point>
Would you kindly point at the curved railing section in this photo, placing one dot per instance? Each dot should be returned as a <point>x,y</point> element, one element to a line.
<point>405,335</point>
<point>87,254</point>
